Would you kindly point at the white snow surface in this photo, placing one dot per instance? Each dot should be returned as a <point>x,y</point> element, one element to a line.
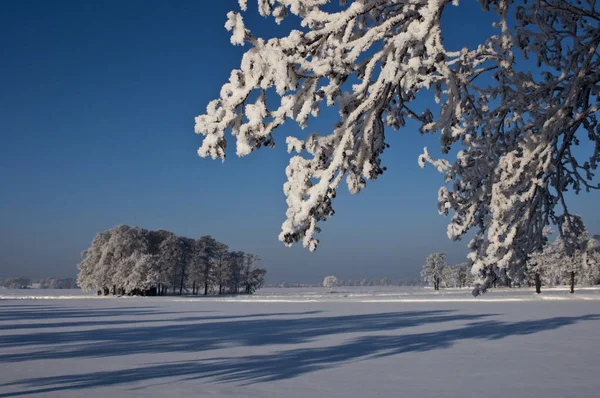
<point>353,342</point>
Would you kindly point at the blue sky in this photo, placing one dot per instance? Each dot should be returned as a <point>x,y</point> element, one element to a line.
<point>97,109</point>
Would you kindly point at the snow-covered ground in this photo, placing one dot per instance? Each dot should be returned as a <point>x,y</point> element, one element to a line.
<point>354,342</point>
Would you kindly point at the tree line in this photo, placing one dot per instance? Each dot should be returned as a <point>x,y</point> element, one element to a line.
<point>554,265</point>
<point>23,282</point>
<point>385,281</point>
<point>134,261</point>
<point>438,273</point>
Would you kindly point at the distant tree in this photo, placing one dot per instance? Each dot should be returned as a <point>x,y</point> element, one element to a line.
<point>18,283</point>
<point>144,276</point>
<point>450,276</point>
<point>172,255</point>
<point>385,281</point>
<point>208,247</point>
<point>257,279</point>
<point>91,260</point>
<point>330,281</point>
<point>464,275</point>
<point>563,261</point>
<point>252,277</point>
<point>131,260</point>
<point>188,247</point>
<point>221,265</point>
<point>591,260</point>
<point>128,245</point>
<point>433,270</point>
<point>570,249</point>
<point>235,265</point>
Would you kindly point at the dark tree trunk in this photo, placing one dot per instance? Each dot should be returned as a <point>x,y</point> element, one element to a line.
<point>572,282</point>
<point>220,288</point>
<point>194,288</point>
<point>114,291</point>
<point>206,275</point>
<point>538,284</point>
<point>181,282</point>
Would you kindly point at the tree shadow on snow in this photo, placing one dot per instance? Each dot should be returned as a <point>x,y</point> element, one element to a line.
<point>281,364</point>
<point>26,340</point>
<point>22,312</point>
<point>207,333</point>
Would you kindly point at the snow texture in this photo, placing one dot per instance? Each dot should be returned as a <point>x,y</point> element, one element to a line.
<point>378,342</point>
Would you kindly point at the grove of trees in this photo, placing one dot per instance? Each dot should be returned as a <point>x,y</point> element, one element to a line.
<point>552,266</point>
<point>555,265</point>
<point>437,272</point>
<point>40,283</point>
<point>135,261</point>
<point>508,129</point>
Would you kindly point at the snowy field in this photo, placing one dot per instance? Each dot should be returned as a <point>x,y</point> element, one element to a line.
<point>354,342</point>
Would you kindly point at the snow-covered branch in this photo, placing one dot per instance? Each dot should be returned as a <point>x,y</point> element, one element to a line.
<point>514,128</point>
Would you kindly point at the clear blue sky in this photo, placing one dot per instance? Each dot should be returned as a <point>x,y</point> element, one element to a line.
<point>97,107</point>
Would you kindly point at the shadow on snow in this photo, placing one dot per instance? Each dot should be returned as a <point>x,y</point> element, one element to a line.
<point>247,331</point>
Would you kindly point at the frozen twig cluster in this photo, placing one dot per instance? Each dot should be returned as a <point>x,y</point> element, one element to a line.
<point>370,59</point>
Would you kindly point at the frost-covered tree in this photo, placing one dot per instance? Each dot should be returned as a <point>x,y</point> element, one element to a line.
<point>195,266</point>
<point>252,277</point>
<point>330,281</point>
<point>221,269</point>
<point>541,265</point>
<point>569,250</point>
<point>591,260</point>
<point>208,246</point>
<point>133,261</point>
<point>144,277</point>
<point>172,255</point>
<point>159,267</point>
<point>457,275</point>
<point>433,269</point>
<point>91,260</point>
<point>128,245</point>
<point>513,129</point>
<point>257,279</point>
<point>235,265</point>
<point>464,275</point>
<point>450,276</point>
<point>557,264</point>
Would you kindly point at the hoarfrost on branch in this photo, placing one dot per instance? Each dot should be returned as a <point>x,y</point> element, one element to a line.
<point>515,128</point>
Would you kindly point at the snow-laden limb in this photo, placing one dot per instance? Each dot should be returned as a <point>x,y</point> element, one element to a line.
<point>371,58</point>
<point>390,48</point>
